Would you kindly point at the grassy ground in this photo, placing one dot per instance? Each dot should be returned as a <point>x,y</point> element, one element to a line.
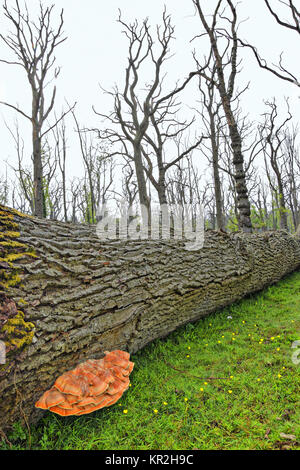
<point>220,383</point>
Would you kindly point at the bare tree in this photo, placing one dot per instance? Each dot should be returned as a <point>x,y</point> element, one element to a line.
<point>292,171</point>
<point>280,71</point>
<point>132,116</point>
<point>274,136</point>
<point>166,130</point>
<point>129,184</point>
<point>99,168</point>
<point>212,121</point>
<point>60,155</point>
<point>23,173</point>
<point>184,185</point>
<point>33,43</point>
<point>75,188</point>
<point>263,203</point>
<point>87,152</point>
<point>222,58</point>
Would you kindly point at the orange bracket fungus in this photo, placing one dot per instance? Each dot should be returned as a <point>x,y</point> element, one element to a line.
<point>92,385</point>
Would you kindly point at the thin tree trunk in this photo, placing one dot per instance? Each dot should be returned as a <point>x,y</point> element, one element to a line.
<point>37,174</point>
<point>141,181</point>
<point>282,206</point>
<point>216,174</point>
<point>162,190</point>
<point>243,203</point>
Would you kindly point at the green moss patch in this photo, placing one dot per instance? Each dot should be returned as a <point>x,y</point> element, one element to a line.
<point>14,329</point>
<point>17,331</point>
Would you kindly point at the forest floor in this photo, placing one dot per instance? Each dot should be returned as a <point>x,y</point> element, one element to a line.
<point>228,381</point>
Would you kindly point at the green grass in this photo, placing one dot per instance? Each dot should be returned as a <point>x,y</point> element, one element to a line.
<point>219,383</point>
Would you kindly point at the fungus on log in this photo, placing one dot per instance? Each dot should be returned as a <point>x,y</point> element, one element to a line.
<point>65,295</point>
<point>92,385</point>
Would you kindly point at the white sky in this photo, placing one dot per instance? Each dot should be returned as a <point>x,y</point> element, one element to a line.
<point>96,52</point>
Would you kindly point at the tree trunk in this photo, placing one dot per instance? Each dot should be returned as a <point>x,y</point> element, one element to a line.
<point>162,189</point>
<point>39,209</point>
<point>216,173</point>
<point>282,208</point>
<point>243,203</point>
<point>281,198</point>
<point>66,296</point>
<point>140,176</point>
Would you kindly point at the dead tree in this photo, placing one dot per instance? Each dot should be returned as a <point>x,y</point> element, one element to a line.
<point>260,206</point>
<point>129,184</point>
<point>74,198</point>
<point>292,171</point>
<point>33,44</point>
<point>274,138</point>
<point>24,188</point>
<point>87,153</point>
<point>60,155</point>
<point>132,114</point>
<point>212,122</point>
<point>184,184</point>
<point>23,184</point>
<point>225,86</point>
<point>99,166</point>
<point>165,137</point>
<point>129,191</point>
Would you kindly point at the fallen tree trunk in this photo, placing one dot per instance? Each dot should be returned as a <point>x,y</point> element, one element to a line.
<point>66,296</point>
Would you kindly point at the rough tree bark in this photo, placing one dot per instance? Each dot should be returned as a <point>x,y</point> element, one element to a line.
<point>226,91</point>
<point>66,296</point>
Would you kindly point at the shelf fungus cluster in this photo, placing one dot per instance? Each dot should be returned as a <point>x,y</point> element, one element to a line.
<point>92,385</point>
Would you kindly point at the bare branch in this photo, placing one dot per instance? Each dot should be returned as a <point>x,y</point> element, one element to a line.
<point>16,109</point>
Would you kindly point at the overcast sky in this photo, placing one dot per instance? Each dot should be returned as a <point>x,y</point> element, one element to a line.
<point>96,53</point>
